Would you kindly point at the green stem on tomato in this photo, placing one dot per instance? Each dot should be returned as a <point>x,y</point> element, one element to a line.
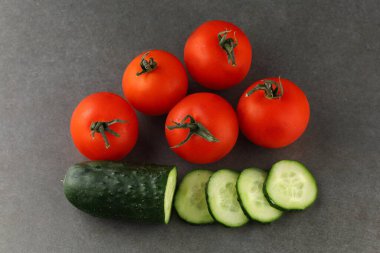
<point>195,128</point>
<point>271,88</point>
<point>228,45</point>
<point>146,65</point>
<point>102,127</point>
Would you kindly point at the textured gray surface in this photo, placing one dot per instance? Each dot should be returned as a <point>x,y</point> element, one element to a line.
<point>53,53</point>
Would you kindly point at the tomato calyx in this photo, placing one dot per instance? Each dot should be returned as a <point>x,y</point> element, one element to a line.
<point>195,127</point>
<point>228,45</point>
<point>102,127</point>
<point>146,65</point>
<point>272,89</point>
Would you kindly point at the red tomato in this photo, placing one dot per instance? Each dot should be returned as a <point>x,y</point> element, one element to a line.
<point>108,113</point>
<point>153,86</point>
<point>218,55</point>
<point>202,128</point>
<point>275,113</point>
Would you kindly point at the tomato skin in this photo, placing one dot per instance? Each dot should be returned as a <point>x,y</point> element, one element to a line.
<point>215,114</point>
<point>207,61</point>
<point>155,92</point>
<point>104,106</point>
<point>273,123</point>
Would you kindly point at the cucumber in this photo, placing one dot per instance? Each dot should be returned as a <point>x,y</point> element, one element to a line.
<point>122,190</point>
<point>222,199</point>
<point>290,186</point>
<point>190,199</point>
<point>250,192</point>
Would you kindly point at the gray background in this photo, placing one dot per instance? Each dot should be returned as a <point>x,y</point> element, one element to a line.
<point>54,53</point>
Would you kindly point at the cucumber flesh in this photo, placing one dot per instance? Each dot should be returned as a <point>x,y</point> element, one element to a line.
<point>250,190</point>
<point>190,199</point>
<point>290,186</point>
<point>222,199</point>
<point>169,194</point>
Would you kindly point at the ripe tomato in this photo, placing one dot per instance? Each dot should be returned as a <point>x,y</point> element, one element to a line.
<point>273,112</point>
<point>218,55</point>
<point>104,127</point>
<point>202,128</point>
<point>153,86</point>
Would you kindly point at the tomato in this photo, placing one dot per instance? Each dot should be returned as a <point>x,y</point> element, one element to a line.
<point>202,128</point>
<point>105,114</point>
<point>153,86</point>
<point>273,112</point>
<point>218,55</point>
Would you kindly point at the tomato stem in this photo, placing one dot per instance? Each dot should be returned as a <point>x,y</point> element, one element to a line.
<point>272,89</point>
<point>146,65</point>
<point>228,45</point>
<point>195,128</point>
<point>102,127</point>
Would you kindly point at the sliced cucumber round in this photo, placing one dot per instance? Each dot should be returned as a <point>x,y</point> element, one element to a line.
<point>222,199</point>
<point>250,191</point>
<point>290,186</point>
<point>190,199</point>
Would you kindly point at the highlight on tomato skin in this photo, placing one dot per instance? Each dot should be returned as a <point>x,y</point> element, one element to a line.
<point>273,112</point>
<point>202,128</point>
<point>154,81</point>
<point>218,55</point>
<point>104,127</point>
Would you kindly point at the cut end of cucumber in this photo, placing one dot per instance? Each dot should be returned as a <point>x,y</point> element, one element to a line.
<point>169,193</point>
<point>291,186</point>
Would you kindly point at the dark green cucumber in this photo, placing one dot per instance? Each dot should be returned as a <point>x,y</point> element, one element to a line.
<point>190,199</point>
<point>122,190</point>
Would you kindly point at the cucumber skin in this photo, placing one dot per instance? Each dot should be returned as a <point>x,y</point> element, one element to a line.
<point>212,215</point>
<point>118,190</point>
<point>273,204</point>
<point>245,211</point>
<point>189,222</point>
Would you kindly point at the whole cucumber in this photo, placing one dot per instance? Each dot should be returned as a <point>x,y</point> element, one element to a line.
<point>122,190</point>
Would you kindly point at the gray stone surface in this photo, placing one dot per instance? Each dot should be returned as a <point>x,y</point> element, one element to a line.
<point>53,53</point>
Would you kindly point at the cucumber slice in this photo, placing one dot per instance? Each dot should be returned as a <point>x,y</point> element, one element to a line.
<point>250,191</point>
<point>222,199</point>
<point>190,199</point>
<point>290,186</point>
